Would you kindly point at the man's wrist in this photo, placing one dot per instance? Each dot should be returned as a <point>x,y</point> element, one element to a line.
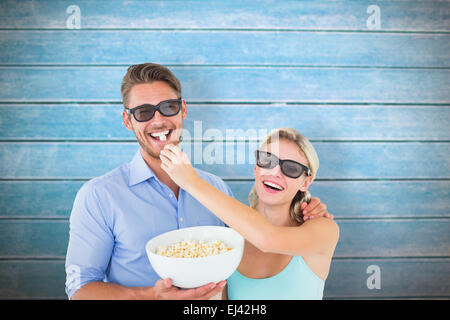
<point>143,293</point>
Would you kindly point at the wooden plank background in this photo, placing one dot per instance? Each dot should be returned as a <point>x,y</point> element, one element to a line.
<point>374,102</point>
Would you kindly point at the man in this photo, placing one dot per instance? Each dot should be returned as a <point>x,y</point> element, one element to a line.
<point>115,215</point>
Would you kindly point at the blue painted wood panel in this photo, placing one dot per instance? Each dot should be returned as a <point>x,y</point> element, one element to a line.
<point>355,122</point>
<point>194,14</point>
<point>373,99</point>
<point>400,278</point>
<point>32,279</point>
<point>236,84</point>
<point>224,48</point>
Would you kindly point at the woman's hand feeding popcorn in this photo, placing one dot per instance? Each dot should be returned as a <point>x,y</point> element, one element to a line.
<point>178,166</point>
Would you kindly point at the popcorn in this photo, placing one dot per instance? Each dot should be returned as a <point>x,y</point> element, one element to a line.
<point>193,249</point>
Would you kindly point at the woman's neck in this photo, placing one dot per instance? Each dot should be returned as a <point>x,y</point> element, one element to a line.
<point>277,215</point>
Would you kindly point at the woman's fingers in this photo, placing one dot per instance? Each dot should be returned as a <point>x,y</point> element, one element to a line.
<point>174,154</point>
<point>173,148</point>
<point>166,163</point>
<point>165,159</point>
<point>168,157</point>
<point>303,206</point>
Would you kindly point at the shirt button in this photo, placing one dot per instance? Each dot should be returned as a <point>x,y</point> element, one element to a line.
<point>181,219</point>
<point>170,195</point>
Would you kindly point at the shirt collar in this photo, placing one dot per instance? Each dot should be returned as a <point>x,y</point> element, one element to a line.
<point>139,170</point>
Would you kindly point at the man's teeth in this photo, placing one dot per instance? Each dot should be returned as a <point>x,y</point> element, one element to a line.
<point>273,185</point>
<point>161,135</point>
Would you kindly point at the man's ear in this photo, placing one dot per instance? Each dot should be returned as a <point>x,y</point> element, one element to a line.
<point>127,121</point>
<point>183,109</point>
<point>306,183</point>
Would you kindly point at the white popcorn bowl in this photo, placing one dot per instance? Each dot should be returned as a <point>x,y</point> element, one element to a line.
<point>196,272</point>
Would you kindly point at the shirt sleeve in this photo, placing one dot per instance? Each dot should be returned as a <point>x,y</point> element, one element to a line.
<point>227,189</point>
<point>91,241</point>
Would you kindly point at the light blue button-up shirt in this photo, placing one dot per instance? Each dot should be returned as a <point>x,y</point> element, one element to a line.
<point>115,215</point>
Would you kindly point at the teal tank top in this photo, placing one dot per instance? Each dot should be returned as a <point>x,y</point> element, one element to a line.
<point>295,282</point>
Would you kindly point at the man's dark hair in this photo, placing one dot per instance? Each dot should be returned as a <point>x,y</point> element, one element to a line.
<point>147,73</point>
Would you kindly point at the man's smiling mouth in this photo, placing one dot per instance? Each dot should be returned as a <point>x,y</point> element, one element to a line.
<point>161,135</point>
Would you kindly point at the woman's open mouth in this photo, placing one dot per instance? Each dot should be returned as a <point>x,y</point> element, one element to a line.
<point>272,187</point>
<point>161,136</point>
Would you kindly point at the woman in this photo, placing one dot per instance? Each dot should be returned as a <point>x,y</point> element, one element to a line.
<point>284,257</point>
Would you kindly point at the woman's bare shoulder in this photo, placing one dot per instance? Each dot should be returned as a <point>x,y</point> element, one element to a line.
<point>326,224</point>
<point>325,229</point>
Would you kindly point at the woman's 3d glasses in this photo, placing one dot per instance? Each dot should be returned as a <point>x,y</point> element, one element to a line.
<point>290,168</point>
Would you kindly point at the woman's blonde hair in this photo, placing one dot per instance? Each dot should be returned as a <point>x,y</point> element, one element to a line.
<point>303,143</point>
